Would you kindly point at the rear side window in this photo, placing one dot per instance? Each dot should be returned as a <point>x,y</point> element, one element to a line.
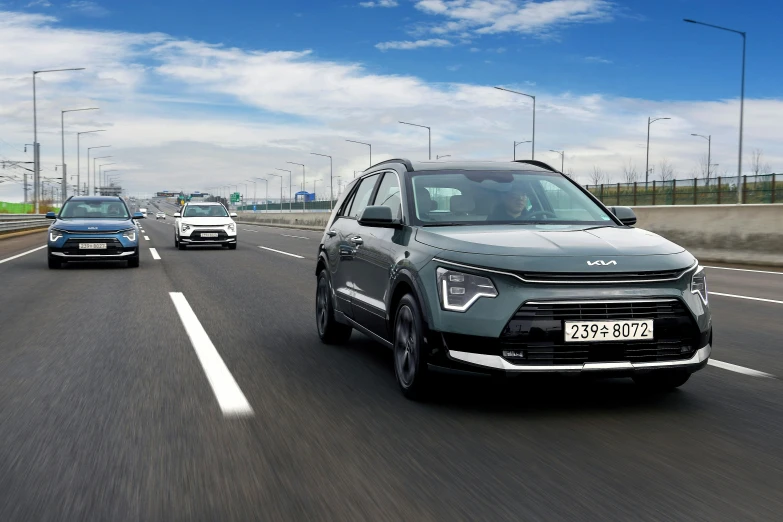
<point>362,197</point>
<point>389,194</point>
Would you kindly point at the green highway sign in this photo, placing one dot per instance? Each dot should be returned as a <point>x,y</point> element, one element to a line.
<point>235,197</point>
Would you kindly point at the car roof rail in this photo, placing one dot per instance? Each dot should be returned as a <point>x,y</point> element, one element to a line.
<point>538,164</point>
<point>406,162</point>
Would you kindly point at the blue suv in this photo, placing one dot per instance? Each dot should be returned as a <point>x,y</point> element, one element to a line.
<point>94,228</point>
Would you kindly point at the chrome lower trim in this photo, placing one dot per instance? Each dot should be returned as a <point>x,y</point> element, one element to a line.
<point>87,256</point>
<point>498,363</point>
<point>600,301</point>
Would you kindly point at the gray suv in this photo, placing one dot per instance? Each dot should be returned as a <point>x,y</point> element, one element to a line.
<point>506,268</point>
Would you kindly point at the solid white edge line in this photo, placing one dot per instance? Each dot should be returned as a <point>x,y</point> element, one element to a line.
<point>146,238</point>
<point>281,252</point>
<point>746,297</point>
<point>154,253</point>
<point>227,392</point>
<point>298,237</point>
<point>739,369</point>
<point>22,254</point>
<point>744,270</point>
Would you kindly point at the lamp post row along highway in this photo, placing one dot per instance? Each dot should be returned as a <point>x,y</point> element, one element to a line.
<point>289,190</point>
<point>533,141</point>
<point>650,121</point>
<point>78,161</point>
<point>709,150</point>
<point>92,180</point>
<point>304,197</point>
<point>331,188</point>
<point>95,177</point>
<point>362,143</point>
<point>62,140</point>
<point>562,158</point>
<point>281,190</point>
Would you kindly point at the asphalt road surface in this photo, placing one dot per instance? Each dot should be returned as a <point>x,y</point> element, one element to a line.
<point>195,388</point>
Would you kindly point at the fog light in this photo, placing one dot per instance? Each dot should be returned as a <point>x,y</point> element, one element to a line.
<point>514,354</point>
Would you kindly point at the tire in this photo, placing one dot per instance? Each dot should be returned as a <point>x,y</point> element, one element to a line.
<point>232,246</point>
<point>410,365</point>
<point>662,380</point>
<point>133,261</point>
<point>176,241</point>
<point>55,263</point>
<point>181,245</point>
<point>329,330</point>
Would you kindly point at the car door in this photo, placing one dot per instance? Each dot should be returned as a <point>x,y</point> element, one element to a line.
<point>341,244</point>
<point>375,257</point>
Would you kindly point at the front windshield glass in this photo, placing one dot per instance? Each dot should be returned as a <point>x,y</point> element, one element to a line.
<point>107,209</point>
<point>205,211</point>
<point>489,197</point>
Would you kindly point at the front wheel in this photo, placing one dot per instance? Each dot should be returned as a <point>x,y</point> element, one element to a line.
<point>329,330</point>
<point>410,365</point>
<point>54,263</point>
<point>662,380</point>
<point>232,246</point>
<point>134,261</point>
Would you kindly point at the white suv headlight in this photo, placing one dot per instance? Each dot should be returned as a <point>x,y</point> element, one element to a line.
<point>230,226</point>
<point>699,284</point>
<point>185,227</point>
<point>458,291</point>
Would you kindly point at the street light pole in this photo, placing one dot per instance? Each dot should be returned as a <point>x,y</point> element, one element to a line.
<point>331,186</point>
<point>304,188</point>
<point>36,146</point>
<point>533,141</point>
<point>362,143</point>
<point>62,149</point>
<point>281,191</point>
<point>95,177</point>
<point>101,174</point>
<point>88,167</point>
<point>709,149</point>
<point>647,162</point>
<point>78,160</point>
<point>562,158</point>
<point>742,99</point>
<point>515,147</point>
<point>289,190</point>
<point>443,156</point>
<point>429,135</point>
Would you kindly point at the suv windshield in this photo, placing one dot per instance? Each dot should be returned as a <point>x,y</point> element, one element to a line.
<point>109,209</point>
<point>489,197</point>
<point>205,211</point>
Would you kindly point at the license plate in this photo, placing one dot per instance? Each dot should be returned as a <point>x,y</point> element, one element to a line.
<point>209,234</point>
<point>625,330</point>
<point>92,246</point>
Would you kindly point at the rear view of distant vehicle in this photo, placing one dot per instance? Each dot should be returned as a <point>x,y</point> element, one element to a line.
<point>160,215</point>
<point>93,228</point>
<point>205,224</point>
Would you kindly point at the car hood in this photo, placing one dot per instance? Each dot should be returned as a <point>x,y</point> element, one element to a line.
<point>92,225</point>
<point>208,221</point>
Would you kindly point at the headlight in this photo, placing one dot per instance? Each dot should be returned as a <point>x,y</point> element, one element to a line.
<point>230,226</point>
<point>130,235</point>
<point>699,284</point>
<point>458,291</point>
<point>185,227</point>
<point>55,234</point>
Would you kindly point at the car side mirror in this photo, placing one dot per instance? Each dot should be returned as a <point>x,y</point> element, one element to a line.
<point>176,214</point>
<point>51,215</point>
<point>138,215</point>
<point>625,214</point>
<point>233,214</point>
<point>377,216</point>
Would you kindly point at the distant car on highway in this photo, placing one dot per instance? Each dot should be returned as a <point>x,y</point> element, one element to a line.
<point>160,215</point>
<point>507,269</point>
<point>205,224</point>
<point>93,228</point>
<point>143,212</point>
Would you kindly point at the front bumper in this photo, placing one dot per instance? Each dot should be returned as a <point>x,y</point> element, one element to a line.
<point>118,247</point>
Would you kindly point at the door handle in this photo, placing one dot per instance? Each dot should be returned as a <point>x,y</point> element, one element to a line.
<point>331,233</point>
<point>356,240</point>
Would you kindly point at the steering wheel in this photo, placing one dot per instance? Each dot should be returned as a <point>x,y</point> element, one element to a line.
<point>542,213</point>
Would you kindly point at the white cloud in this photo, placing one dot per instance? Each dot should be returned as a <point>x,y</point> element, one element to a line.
<point>187,114</point>
<point>88,8</point>
<point>413,44</point>
<point>538,18</point>
<point>39,3</point>
<point>597,59</point>
<point>380,3</point>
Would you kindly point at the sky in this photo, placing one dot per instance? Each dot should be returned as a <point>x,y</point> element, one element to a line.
<point>203,93</point>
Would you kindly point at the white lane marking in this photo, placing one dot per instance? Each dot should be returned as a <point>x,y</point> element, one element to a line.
<point>738,369</point>
<point>298,237</point>
<point>22,254</point>
<point>281,252</point>
<point>146,238</point>
<point>229,396</point>
<point>154,253</point>
<point>143,231</point>
<point>249,230</point>
<point>744,270</point>
<point>746,297</point>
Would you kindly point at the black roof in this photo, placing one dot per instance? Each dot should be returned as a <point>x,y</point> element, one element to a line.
<point>95,198</point>
<point>410,166</point>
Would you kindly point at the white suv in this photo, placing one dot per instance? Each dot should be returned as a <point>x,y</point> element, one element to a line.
<point>205,224</point>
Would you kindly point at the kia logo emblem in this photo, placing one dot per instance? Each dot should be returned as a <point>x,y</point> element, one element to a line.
<point>601,262</point>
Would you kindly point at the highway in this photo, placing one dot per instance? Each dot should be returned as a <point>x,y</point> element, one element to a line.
<point>195,388</point>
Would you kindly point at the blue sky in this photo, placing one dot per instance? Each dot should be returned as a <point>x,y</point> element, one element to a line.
<point>190,86</point>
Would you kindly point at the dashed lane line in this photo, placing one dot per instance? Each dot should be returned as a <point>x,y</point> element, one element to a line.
<point>739,369</point>
<point>154,253</point>
<point>229,396</point>
<point>281,252</point>
<point>743,270</point>
<point>747,297</point>
<point>298,237</point>
<point>146,238</point>
<point>22,254</point>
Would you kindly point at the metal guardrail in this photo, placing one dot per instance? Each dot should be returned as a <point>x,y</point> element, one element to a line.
<point>14,222</point>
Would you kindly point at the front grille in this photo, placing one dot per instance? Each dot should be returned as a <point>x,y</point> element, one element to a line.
<point>113,246</point>
<point>90,232</point>
<point>196,235</point>
<point>606,277</point>
<point>601,311</point>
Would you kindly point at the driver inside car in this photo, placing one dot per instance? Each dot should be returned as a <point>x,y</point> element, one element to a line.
<point>513,205</point>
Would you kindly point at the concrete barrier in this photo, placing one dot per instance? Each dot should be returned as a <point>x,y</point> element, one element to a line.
<point>742,234</point>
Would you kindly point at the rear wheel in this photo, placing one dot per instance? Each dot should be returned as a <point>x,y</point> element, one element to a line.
<point>54,263</point>
<point>329,330</point>
<point>662,380</point>
<point>410,365</point>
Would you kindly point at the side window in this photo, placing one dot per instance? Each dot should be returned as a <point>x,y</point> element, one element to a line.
<point>362,197</point>
<point>389,194</point>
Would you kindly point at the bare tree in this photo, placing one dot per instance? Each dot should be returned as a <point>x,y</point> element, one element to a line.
<point>666,170</point>
<point>756,157</point>
<point>629,172</point>
<point>569,172</point>
<point>597,176</point>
